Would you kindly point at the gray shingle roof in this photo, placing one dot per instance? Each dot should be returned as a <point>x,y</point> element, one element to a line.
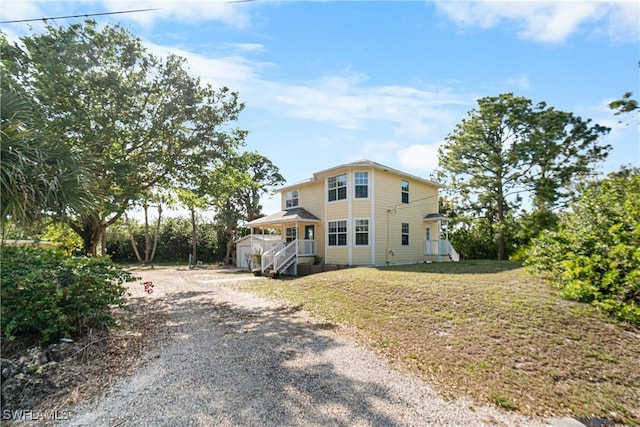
<point>295,214</point>
<point>435,217</point>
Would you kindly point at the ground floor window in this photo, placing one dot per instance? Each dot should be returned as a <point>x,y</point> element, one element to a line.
<point>362,232</point>
<point>337,233</point>
<point>292,234</point>
<point>405,234</point>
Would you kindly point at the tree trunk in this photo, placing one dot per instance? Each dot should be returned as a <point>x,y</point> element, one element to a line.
<point>91,232</point>
<point>156,233</point>
<point>104,242</point>
<point>146,233</point>
<point>133,242</point>
<point>194,236</point>
<point>229,256</point>
<point>501,226</point>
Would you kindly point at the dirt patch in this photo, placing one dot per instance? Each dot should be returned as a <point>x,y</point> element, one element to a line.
<point>50,380</point>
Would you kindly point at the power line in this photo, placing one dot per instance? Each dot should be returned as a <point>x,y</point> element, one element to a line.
<point>77,16</point>
<point>86,15</point>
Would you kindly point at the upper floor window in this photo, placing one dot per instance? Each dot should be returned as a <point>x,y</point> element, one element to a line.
<point>291,199</point>
<point>337,187</point>
<point>362,232</point>
<point>405,191</point>
<point>337,233</point>
<point>361,180</point>
<point>405,234</point>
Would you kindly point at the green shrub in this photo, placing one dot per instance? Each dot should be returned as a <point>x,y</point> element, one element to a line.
<point>65,239</point>
<point>174,241</point>
<point>594,257</point>
<point>47,295</point>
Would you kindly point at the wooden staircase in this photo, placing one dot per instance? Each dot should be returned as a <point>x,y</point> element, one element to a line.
<point>280,258</point>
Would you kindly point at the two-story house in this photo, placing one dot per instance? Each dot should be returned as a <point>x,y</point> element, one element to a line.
<point>359,214</point>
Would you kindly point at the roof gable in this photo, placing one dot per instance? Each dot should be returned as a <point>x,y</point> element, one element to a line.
<point>364,163</point>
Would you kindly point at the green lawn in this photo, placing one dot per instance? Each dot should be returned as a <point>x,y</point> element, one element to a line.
<point>484,329</point>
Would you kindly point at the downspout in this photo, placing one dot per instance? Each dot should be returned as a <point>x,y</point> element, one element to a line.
<point>439,240</point>
<point>386,254</point>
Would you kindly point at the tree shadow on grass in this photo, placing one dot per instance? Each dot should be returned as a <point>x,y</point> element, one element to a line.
<point>462,267</point>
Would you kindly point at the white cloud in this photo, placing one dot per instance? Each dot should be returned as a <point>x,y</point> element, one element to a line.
<point>21,10</point>
<point>521,82</point>
<point>419,158</point>
<point>342,100</point>
<point>29,10</point>
<point>623,21</point>
<point>548,22</point>
<point>378,151</point>
<point>235,72</point>
<point>349,103</point>
<point>249,47</point>
<point>231,13</point>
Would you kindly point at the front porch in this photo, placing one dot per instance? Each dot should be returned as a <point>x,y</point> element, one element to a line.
<point>297,229</point>
<point>285,256</point>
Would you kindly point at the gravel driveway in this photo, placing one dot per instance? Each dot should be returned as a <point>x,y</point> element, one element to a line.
<point>229,358</point>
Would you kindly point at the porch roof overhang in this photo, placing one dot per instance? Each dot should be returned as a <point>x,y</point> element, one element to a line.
<point>290,215</point>
<point>436,217</point>
<point>259,237</point>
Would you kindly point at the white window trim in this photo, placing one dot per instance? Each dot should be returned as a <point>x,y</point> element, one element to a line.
<point>355,244</point>
<point>402,192</point>
<point>408,234</point>
<point>368,186</point>
<point>346,187</point>
<point>346,233</point>
<point>295,229</point>
<point>287,199</point>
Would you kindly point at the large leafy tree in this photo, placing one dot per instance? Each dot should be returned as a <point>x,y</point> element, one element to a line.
<point>237,186</point>
<point>508,147</point>
<point>145,120</point>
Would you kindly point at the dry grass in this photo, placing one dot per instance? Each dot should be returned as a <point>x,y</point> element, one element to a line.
<point>483,329</point>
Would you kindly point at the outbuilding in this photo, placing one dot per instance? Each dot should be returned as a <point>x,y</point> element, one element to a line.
<point>254,244</point>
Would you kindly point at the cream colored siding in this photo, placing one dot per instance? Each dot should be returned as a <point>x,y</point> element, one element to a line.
<point>337,210</point>
<point>361,255</point>
<point>337,255</point>
<point>384,209</point>
<point>361,209</point>
<point>390,213</point>
<point>311,198</point>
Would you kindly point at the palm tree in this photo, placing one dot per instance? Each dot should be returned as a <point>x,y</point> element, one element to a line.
<point>39,174</point>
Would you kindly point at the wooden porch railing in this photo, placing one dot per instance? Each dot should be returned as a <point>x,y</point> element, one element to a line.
<point>268,256</point>
<point>441,248</point>
<point>306,247</point>
<point>282,259</point>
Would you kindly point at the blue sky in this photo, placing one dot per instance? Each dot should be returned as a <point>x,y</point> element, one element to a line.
<point>327,82</point>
